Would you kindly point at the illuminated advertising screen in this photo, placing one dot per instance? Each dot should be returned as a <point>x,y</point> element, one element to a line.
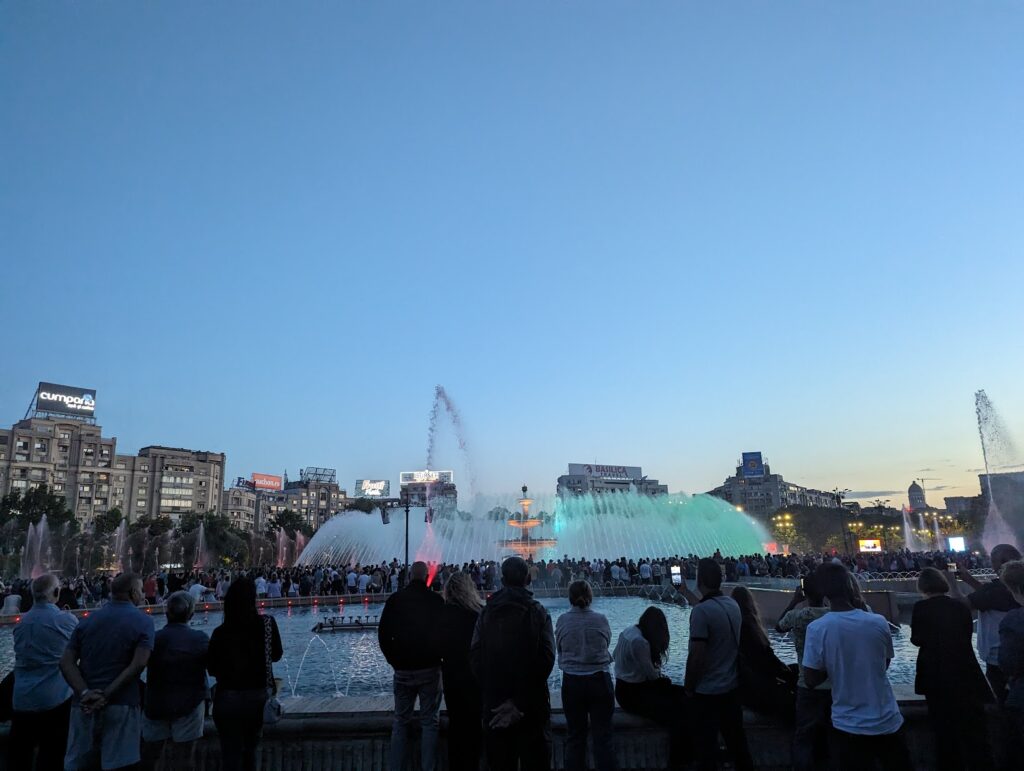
<point>753,465</point>
<point>66,400</point>
<point>869,545</point>
<point>267,482</point>
<point>373,488</point>
<point>957,543</point>
<point>427,475</point>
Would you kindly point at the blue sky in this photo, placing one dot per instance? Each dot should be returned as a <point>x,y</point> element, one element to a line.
<point>642,233</point>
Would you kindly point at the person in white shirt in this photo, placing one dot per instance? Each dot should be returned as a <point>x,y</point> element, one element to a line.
<point>364,581</point>
<point>352,579</point>
<point>852,649</point>
<point>261,586</point>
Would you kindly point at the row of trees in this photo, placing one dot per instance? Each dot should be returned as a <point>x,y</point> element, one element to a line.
<point>75,549</point>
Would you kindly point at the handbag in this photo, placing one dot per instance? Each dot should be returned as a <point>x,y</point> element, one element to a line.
<point>272,708</point>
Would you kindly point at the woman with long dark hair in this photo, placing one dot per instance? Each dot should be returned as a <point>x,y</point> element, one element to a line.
<point>766,684</point>
<point>642,689</point>
<point>461,691</point>
<point>240,657</point>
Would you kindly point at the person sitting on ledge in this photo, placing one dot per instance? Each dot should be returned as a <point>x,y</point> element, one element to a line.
<point>641,688</point>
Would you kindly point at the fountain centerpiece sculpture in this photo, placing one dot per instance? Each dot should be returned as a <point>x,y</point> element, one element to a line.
<point>525,545</point>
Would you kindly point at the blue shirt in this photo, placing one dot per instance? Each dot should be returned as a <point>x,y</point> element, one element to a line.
<point>106,643</point>
<point>39,641</point>
<point>176,675</point>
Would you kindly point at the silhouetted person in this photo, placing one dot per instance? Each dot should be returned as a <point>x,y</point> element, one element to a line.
<point>241,655</point>
<point>512,654</point>
<point>949,677</point>
<point>461,692</point>
<point>408,637</point>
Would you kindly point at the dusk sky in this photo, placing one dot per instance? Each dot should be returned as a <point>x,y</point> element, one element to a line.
<point>656,233</point>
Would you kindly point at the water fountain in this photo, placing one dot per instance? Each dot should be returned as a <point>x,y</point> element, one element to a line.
<point>36,556</point>
<point>910,539</point>
<point>609,525</point>
<point>525,545</point>
<point>283,542</point>
<point>997,451</point>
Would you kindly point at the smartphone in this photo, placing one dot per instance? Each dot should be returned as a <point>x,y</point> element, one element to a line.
<point>952,567</point>
<point>802,579</point>
<point>677,575</point>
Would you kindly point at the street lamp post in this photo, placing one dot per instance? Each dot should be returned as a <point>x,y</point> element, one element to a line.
<point>406,582</point>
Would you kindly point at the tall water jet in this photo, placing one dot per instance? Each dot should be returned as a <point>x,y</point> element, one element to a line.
<point>910,539</point>
<point>121,547</point>
<point>938,532</point>
<point>200,560</point>
<point>995,445</point>
<point>29,552</point>
<point>282,548</point>
<point>443,402</point>
<point>300,545</point>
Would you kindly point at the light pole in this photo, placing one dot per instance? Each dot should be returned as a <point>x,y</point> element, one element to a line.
<point>406,582</point>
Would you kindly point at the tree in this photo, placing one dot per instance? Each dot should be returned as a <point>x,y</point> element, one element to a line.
<point>365,505</point>
<point>107,522</point>
<point>289,521</point>
<point>28,508</point>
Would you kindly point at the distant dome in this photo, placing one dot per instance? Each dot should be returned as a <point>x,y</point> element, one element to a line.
<point>915,488</point>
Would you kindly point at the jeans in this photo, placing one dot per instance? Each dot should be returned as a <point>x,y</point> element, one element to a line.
<point>811,731</point>
<point>664,703</point>
<point>238,716</point>
<point>714,714</point>
<point>47,730</point>
<point>588,696</point>
<point>860,752</point>
<point>424,684</point>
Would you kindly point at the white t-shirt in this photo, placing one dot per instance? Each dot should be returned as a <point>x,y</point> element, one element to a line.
<point>261,585</point>
<point>853,647</point>
<point>364,581</point>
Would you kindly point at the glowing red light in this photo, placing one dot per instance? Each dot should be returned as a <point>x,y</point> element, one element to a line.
<point>206,607</point>
<point>17,619</point>
<point>85,615</point>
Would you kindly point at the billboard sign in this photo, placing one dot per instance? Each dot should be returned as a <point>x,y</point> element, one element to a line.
<point>957,543</point>
<point>373,488</point>
<point>66,400</point>
<point>267,482</point>
<point>870,545</point>
<point>599,471</point>
<point>753,465</point>
<point>425,476</point>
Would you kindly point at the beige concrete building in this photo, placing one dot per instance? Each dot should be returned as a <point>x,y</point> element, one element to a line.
<point>73,458</point>
<point>241,506</point>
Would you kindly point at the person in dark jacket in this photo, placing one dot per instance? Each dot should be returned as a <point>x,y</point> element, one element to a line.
<point>461,692</point>
<point>766,684</point>
<point>408,637</point>
<point>1011,661</point>
<point>175,704</point>
<point>949,677</point>
<point>238,657</point>
<point>512,654</point>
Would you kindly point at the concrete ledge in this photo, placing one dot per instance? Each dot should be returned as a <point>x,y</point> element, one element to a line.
<point>353,734</point>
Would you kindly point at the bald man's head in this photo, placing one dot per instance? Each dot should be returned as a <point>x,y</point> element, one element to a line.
<point>418,572</point>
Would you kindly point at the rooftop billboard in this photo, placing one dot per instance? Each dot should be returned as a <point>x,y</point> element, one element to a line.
<point>267,482</point>
<point>753,465</point>
<point>605,472</point>
<point>427,475</point>
<point>66,400</point>
<point>373,488</point>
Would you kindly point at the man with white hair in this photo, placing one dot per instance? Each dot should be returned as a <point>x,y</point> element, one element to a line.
<point>42,700</point>
<point>175,707</point>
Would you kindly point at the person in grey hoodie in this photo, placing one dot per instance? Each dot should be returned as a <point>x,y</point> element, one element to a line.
<point>582,637</point>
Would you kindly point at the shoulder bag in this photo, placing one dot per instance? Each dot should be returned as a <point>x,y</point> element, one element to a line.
<point>272,709</point>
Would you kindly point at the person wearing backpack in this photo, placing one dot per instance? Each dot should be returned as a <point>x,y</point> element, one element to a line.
<point>512,654</point>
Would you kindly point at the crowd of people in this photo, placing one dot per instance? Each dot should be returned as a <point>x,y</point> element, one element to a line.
<point>474,634</point>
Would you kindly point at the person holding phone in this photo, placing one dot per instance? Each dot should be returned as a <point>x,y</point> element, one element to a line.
<point>949,677</point>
